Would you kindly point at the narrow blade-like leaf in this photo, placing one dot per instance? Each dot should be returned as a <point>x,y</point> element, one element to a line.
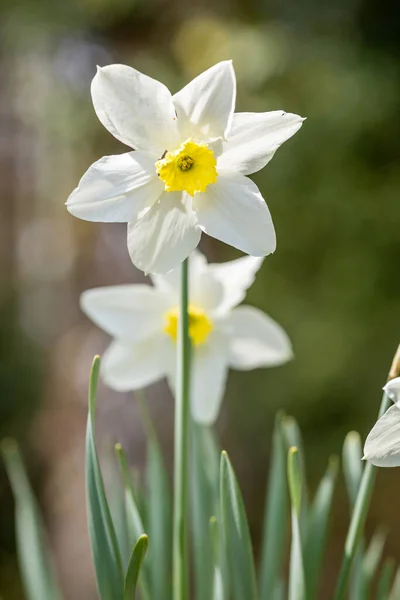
<point>352,464</point>
<point>159,522</point>
<point>34,560</point>
<point>276,512</point>
<point>297,583</point>
<point>395,591</point>
<point>134,566</point>
<point>370,562</point>
<point>104,545</point>
<point>353,470</point>
<point>204,504</point>
<point>218,588</point>
<point>317,529</point>
<point>135,527</point>
<point>237,535</point>
<point>385,580</point>
<point>293,438</point>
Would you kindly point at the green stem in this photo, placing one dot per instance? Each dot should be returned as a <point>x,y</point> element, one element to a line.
<point>180,546</point>
<point>358,517</point>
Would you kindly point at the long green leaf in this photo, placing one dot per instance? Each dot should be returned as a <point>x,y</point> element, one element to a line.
<point>237,535</point>
<point>104,545</point>
<point>371,561</point>
<point>293,438</point>
<point>353,470</point>
<point>35,563</point>
<point>297,582</point>
<point>218,589</point>
<point>276,509</point>
<point>352,464</point>
<point>204,504</point>
<point>135,527</point>
<point>116,500</point>
<point>317,529</point>
<point>385,580</point>
<point>134,566</point>
<point>395,591</point>
<point>159,521</point>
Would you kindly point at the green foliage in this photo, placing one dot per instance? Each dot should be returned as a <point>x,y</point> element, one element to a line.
<point>135,563</point>
<point>105,550</point>
<point>36,568</point>
<point>275,520</point>
<point>236,534</point>
<point>224,566</point>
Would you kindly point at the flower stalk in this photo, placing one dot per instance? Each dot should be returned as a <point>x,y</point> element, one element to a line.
<point>180,547</point>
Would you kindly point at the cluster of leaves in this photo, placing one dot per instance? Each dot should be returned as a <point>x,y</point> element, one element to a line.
<point>224,566</point>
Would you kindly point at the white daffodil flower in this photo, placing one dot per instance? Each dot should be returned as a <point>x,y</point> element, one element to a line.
<point>187,173</point>
<point>382,446</point>
<point>143,319</point>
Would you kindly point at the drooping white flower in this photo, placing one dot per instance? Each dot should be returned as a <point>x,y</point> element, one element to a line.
<point>382,446</point>
<point>143,321</point>
<point>187,174</point>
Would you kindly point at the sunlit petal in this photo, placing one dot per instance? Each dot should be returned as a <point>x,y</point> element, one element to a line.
<point>382,446</point>
<point>255,137</point>
<point>256,340</point>
<point>116,188</point>
<point>135,108</point>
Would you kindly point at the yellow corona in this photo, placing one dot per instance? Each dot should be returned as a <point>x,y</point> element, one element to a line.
<point>190,168</point>
<point>200,325</point>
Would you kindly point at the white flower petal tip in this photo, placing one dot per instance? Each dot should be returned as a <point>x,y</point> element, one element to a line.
<point>392,390</point>
<point>382,446</point>
<point>134,108</point>
<point>257,340</point>
<point>205,106</point>
<point>255,137</point>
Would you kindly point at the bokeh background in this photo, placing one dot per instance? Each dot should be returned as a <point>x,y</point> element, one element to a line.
<point>333,282</point>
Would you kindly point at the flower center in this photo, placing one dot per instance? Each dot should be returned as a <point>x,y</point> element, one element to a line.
<point>185,163</point>
<point>190,168</point>
<point>200,325</point>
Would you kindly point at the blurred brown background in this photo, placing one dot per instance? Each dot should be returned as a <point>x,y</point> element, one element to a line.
<point>333,282</point>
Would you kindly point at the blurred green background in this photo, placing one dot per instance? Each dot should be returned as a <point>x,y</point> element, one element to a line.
<point>333,282</point>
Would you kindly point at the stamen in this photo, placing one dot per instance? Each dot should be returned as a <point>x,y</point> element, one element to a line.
<point>185,163</point>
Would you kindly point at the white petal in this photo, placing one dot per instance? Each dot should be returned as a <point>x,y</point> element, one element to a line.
<point>171,281</point>
<point>205,106</point>
<point>256,340</point>
<point>116,188</point>
<point>128,367</point>
<point>208,378</point>
<point>128,312</point>
<point>233,211</point>
<point>208,374</point>
<point>235,276</point>
<point>205,290</point>
<point>255,137</point>
<point>165,235</point>
<point>392,389</point>
<point>382,446</point>
<point>135,108</point>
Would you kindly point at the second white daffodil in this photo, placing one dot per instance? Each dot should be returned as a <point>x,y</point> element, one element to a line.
<point>187,174</point>
<point>143,320</point>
